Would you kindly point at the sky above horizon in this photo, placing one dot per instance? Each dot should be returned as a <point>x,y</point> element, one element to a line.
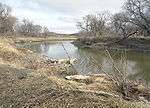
<point>60,15</point>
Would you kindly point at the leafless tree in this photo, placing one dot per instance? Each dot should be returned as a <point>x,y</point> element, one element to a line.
<point>93,25</point>
<point>28,28</point>
<point>6,20</point>
<point>45,31</point>
<point>121,26</point>
<point>134,18</point>
<point>139,14</point>
<point>37,30</point>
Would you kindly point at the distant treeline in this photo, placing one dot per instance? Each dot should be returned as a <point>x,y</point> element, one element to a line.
<point>9,25</point>
<point>133,19</point>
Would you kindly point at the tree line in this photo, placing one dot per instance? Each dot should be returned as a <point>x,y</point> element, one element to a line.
<point>10,25</point>
<point>133,19</point>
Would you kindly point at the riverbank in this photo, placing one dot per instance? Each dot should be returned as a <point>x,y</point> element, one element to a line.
<point>134,43</point>
<point>42,39</point>
<point>31,80</point>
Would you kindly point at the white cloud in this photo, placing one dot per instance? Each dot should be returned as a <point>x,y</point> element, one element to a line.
<point>60,15</point>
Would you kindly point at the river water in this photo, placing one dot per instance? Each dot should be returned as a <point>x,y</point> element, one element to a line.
<point>137,64</point>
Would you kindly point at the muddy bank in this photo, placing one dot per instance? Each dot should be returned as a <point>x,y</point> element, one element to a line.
<point>136,44</point>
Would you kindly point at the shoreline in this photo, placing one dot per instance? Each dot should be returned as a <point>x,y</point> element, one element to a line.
<point>131,44</point>
<point>42,39</point>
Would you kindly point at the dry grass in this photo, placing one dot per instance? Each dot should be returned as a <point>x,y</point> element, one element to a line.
<point>39,39</point>
<point>41,91</point>
<point>28,86</point>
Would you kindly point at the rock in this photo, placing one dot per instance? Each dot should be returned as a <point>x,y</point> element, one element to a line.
<point>141,88</point>
<point>77,77</point>
<point>67,61</point>
<point>73,61</point>
<point>143,99</point>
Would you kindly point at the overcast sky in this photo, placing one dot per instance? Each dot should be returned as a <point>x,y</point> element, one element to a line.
<point>60,15</point>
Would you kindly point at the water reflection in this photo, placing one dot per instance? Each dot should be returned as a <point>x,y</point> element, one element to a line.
<point>138,64</point>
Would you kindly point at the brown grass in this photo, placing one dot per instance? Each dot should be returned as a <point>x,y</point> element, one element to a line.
<point>40,39</point>
<point>22,85</point>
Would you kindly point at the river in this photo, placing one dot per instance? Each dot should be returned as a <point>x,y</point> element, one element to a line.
<point>137,64</point>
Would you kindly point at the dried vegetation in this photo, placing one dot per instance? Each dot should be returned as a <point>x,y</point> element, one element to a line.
<point>29,80</point>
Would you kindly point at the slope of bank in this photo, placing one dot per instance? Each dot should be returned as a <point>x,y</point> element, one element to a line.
<point>30,80</point>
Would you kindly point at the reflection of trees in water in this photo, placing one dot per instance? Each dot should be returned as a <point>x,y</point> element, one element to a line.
<point>32,46</point>
<point>85,64</point>
<point>36,47</point>
<point>95,61</point>
<point>44,47</point>
<point>138,64</point>
<point>142,65</point>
